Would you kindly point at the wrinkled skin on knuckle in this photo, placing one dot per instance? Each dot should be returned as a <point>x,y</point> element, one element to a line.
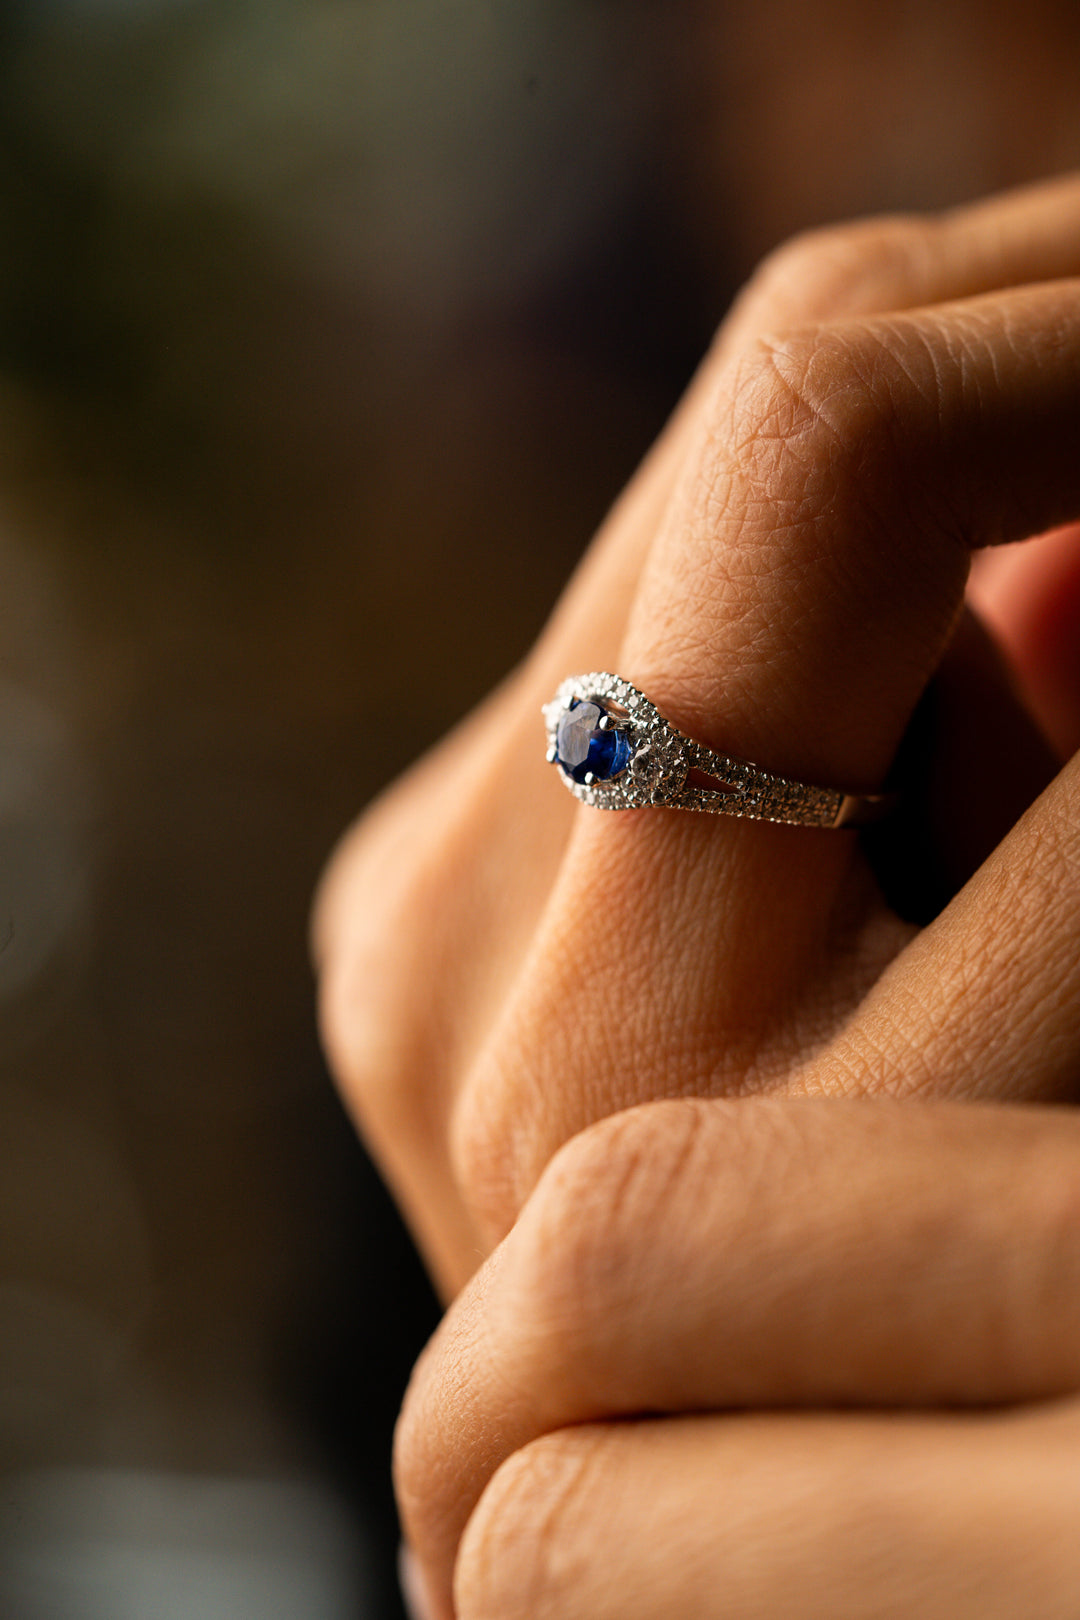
<point>921,409</point>
<point>419,1468</point>
<point>569,1265</point>
<point>816,416</point>
<point>843,269</point>
<point>815,454</point>
<point>799,466</point>
<point>811,505</point>
<point>578,1286</point>
<point>832,428</point>
<point>523,1553</point>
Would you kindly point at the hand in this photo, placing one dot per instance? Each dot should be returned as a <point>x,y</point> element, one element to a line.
<point>500,968</point>
<point>700,1256</point>
<point>848,1334</point>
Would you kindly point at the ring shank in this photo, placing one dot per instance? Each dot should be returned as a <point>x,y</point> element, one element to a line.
<point>667,769</point>
<point>759,795</point>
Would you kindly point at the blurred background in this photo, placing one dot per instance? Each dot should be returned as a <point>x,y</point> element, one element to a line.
<point>328,330</point>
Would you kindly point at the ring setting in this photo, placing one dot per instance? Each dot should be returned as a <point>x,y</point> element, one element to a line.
<point>615,751</point>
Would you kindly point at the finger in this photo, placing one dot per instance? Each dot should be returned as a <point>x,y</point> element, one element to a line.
<point>428,869</point>
<point>870,267</point>
<point>818,551</point>
<point>1031,234</point>
<point>985,1002</point>
<point>793,608</point>
<point>805,1518</point>
<point>704,1255</point>
<point>1030,597</point>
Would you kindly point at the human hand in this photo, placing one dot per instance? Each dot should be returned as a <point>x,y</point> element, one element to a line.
<point>500,968</point>
<point>848,1334</point>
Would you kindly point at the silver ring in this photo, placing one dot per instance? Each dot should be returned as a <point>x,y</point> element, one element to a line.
<point>615,751</point>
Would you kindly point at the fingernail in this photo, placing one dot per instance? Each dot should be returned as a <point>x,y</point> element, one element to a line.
<point>413,1585</point>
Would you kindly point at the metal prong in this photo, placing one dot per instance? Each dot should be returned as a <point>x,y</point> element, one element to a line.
<point>551,756</point>
<point>589,778</point>
<point>605,723</point>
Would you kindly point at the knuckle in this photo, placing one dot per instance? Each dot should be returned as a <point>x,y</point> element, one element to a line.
<point>422,1465</point>
<point>843,269</point>
<point>812,414</point>
<point>601,1191</point>
<point>826,422</point>
<point>578,1225</point>
<point>525,1549</point>
<point>576,1265</point>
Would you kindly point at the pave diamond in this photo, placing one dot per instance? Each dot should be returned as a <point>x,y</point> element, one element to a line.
<point>616,751</point>
<point>648,768</point>
<point>658,767</point>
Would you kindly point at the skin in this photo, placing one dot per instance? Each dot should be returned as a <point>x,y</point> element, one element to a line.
<point>645,1078</point>
<point>862,1404</point>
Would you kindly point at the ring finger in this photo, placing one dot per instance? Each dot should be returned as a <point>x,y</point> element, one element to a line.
<point>794,605</point>
<point>438,866</point>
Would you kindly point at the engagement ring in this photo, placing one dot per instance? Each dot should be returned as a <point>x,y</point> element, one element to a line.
<point>615,751</point>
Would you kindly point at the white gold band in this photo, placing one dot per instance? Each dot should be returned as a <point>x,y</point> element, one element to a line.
<point>615,751</point>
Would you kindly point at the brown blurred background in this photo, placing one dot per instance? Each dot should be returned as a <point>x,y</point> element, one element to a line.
<point>327,332</point>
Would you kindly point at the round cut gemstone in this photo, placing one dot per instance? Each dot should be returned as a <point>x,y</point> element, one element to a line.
<point>648,768</point>
<point>582,749</point>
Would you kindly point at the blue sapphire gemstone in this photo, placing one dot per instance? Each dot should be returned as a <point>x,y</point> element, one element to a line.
<point>582,749</point>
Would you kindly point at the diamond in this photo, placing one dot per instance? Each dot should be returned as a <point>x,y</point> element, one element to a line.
<point>648,768</point>
<point>659,767</point>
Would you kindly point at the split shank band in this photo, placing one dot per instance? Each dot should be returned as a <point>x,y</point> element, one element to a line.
<point>615,751</point>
